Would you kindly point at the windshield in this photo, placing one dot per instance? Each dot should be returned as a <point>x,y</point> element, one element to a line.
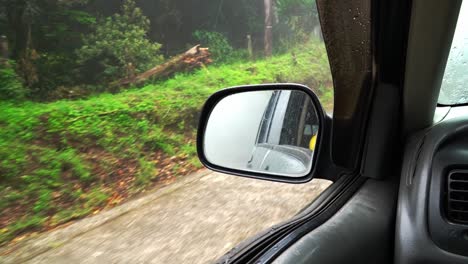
<point>454,88</point>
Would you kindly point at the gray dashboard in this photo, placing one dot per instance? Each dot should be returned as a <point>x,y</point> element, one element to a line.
<point>424,233</point>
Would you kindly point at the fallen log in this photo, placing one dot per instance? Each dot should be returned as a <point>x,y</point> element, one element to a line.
<point>195,57</point>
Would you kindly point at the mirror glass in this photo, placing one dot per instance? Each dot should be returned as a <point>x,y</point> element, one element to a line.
<point>269,131</point>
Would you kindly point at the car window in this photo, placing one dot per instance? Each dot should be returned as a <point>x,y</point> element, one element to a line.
<point>454,89</point>
<point>99,106</point>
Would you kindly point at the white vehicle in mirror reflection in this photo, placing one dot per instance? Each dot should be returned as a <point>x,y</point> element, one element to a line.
<point>286,137</point>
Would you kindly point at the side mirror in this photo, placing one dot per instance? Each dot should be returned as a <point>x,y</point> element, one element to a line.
<point>271,132</point>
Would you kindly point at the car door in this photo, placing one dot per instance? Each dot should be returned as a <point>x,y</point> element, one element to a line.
<point>358,147</point>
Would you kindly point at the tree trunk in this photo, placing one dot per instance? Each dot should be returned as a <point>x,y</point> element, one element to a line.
<point>4,51</point>
<point>193,58</point>
<point>20,27</point>
<point>268,40</point>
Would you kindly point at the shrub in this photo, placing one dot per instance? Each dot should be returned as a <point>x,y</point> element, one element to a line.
<point>146,172</point>
<point>54,70</point>
<point>218,44</point>
<point>10,83</point>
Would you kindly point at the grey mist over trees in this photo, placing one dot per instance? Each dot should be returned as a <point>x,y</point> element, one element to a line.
<point>56,45</point>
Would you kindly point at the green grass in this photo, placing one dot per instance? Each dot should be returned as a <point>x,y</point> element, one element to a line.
<point>62,160</point>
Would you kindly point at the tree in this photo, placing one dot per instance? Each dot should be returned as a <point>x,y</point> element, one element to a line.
<point>120,44</point>
<point>268,39</point>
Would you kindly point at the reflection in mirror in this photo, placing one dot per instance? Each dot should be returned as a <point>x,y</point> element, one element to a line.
<point>270,131</point>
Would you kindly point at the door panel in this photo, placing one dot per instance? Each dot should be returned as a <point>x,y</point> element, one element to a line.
<point>361,232</point>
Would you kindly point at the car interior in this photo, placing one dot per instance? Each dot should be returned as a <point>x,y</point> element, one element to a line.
<point>397,153</point>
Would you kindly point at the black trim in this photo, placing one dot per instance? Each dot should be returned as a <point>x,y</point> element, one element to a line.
<point>451,105</point>
<point>218,96</point>
<point>348,31</point>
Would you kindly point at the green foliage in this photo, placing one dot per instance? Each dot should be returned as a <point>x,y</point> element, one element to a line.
<point>26,223</point>
<point>43,202</point>
<point>95,197</point>
<point>10,83</point>
<point>54,70</point>
<point>285,6</point>
<point>146,172</point>
<point>80,16</point>
<point>120,45</point>
<point>61,23</point>
<point>68,214</point>
<point>218,44</point>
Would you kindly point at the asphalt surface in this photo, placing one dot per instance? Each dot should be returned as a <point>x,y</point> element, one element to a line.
<point>195,220</point>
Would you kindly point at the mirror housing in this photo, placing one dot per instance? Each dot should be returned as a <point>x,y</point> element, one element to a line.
<point>232,139</point>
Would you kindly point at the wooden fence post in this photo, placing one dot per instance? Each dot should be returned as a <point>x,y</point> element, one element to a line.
<point>249,46</point>
<point>4,51</point>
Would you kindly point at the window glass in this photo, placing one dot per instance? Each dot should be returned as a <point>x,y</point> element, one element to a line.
<point>454,88</point>
<point>99,105</point>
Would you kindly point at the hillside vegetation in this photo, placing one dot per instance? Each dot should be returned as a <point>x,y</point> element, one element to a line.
<point>63,160</point>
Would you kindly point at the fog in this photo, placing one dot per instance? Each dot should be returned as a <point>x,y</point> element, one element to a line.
<point>233,128</point>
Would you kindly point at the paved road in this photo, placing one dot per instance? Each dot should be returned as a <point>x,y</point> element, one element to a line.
<point>195,220</point>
